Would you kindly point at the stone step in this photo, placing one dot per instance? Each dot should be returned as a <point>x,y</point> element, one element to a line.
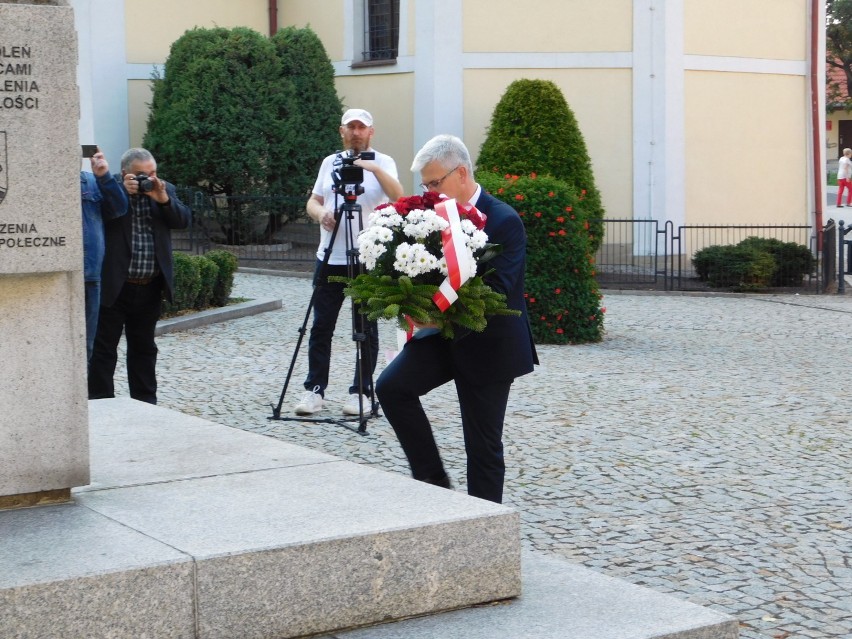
<point>561,600</point>
<point>193,529</point>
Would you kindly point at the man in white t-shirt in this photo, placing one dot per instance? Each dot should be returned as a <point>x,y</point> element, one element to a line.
<point>380,185</point>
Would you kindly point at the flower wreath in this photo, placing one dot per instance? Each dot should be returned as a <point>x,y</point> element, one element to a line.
<point>421,255</point>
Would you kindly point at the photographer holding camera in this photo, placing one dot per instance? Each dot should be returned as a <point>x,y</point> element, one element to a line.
<point>380,185</point>
<point>137,272</point>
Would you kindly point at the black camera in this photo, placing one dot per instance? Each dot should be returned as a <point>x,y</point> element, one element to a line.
<point>348,173</point>
<point>146,184</point>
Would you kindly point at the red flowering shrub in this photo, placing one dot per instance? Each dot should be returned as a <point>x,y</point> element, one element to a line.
<point>563,300</point>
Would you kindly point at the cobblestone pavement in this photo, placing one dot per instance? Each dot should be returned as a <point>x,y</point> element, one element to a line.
<point>702,449</point>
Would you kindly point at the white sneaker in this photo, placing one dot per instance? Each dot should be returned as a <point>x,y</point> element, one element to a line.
<point>310,403</point>
<point>351,406</point>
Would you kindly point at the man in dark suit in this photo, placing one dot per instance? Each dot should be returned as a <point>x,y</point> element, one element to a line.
<point>137,273</point>
<point>482,364</point>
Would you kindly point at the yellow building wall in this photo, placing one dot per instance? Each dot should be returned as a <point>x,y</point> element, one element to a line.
<point>735,28</point>
<point>579,26</point>
<point>745,163</point>
<point>153,25</point>
<point>601,102</point>
<point>393,119</point>
<point>324,17</point>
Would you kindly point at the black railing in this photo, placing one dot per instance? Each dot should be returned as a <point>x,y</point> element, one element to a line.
<point>691,239</point>
<point>275,232</point>
<point>844,262</point>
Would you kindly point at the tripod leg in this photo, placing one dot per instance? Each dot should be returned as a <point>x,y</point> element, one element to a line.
<point>319,275</point>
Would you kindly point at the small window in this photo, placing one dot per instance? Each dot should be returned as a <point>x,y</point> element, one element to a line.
<point>381,30</point>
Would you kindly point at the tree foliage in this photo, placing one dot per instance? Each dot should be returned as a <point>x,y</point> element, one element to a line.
<point>241,114</point>
<point>533,130</point>
<point>838,31</point>
<point>305,62</point>
<point>214,111</point>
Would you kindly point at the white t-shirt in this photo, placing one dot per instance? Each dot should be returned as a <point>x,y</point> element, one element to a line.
<point>368,200</point>
<point>844,168</point>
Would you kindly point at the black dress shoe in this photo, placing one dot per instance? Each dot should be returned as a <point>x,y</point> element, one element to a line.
<point>441,480</point>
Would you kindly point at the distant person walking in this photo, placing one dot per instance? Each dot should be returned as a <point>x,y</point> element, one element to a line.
<point>844,178</point>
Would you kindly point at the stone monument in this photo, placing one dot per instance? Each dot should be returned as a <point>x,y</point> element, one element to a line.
<point>44,446</point>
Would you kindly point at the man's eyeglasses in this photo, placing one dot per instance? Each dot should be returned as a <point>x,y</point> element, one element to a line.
<point>434,184</point>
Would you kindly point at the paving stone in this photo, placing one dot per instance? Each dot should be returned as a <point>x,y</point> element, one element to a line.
<point>697,449</point>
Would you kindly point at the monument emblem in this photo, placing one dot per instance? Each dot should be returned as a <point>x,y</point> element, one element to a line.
<point>4,186</point>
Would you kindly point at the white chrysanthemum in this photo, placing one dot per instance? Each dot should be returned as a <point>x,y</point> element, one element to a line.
<point>386,217</point>
<point>476,240</point>
<point>414,260</point>
<point>420,224</point>
<point>372,244</point>
<point>402,255</point>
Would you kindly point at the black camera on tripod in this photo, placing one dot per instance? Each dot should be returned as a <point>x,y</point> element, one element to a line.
<point>346,172</point>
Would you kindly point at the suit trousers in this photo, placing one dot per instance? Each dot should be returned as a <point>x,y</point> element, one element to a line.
<point>135,311</point>
<point>424,364</point>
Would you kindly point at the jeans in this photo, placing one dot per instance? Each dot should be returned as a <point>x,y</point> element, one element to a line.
<point>93,303</point>
<point>327,300</point>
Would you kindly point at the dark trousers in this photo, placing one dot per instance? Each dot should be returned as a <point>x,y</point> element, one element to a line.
<point>135,311</point>
<point>425,364</point>
<point>328,298</point>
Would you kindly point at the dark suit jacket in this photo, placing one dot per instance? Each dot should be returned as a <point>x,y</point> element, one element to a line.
<point>505,349</point>
<point>118,236</point>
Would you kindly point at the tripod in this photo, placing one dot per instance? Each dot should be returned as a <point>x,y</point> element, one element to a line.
<point>349,186</point>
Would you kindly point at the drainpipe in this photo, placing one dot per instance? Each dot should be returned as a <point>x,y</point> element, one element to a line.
<point>273,17</point>
<point>817,66</point>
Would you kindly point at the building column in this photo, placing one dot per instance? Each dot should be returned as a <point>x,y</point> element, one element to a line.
<point>439,75</point>
<point>658,111</point>
<point>102,76</point>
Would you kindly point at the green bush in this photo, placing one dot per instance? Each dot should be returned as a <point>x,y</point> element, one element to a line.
<point>187,283</point>
<point>534,131</point>
<point>216,112</point>
<point>743,268</point>
<point>754,263</point>
<point>208,272</point>
<point>792,261</point>
<point>563,300</point>
<point>306,64</point>
<point>227,263</point>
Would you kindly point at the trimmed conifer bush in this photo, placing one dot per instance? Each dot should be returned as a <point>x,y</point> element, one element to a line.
<point>563,300</point>
<point>187,283</point>
<point>305,63</point>
<point>753,264</point>
<point>227,263</point>
<point>533,130</point>
<point>208,274</point>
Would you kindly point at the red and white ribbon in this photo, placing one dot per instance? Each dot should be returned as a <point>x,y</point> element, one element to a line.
<point>456,254</point>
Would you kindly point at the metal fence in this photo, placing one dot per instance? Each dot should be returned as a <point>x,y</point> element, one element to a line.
<point>275,232</point>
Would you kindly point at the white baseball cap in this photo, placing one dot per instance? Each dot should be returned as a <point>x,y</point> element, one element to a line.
<point>357,114</point>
